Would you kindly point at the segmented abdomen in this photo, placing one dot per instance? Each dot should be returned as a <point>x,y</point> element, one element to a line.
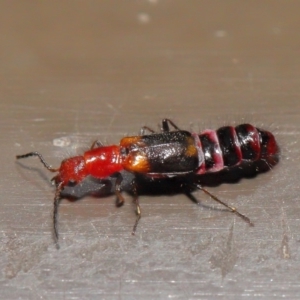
<point>229,146</point>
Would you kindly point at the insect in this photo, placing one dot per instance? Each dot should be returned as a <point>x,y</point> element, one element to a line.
<point>169,154</point>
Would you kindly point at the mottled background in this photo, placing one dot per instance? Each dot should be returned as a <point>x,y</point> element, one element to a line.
<point>75,71</point>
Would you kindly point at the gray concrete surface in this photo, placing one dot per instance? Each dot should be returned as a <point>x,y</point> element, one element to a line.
<point>83,70</point>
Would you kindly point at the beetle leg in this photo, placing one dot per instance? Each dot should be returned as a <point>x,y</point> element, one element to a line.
<point>57,199</point>
<point>146,128</point>
<point>165,125</point>
<point>231,208</point>
<point>138,208</point>
<point>120,199</point>
<point>97,144</point>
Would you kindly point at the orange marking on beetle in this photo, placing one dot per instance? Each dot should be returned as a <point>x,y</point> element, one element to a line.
<point>129,141</point>
<point>136,161</point>
<point>191,149</point>
<point>133,159</point>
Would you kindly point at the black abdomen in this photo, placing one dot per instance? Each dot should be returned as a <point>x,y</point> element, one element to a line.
<point>229,146</point>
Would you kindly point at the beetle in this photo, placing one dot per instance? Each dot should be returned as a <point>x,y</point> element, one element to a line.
<point>168,154</point>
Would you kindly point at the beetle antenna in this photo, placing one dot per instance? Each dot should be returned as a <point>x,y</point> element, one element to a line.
<point>57,199</point>
<point>35,153</point>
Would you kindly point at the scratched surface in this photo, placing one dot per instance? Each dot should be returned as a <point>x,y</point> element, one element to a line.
<point>78,71</point>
